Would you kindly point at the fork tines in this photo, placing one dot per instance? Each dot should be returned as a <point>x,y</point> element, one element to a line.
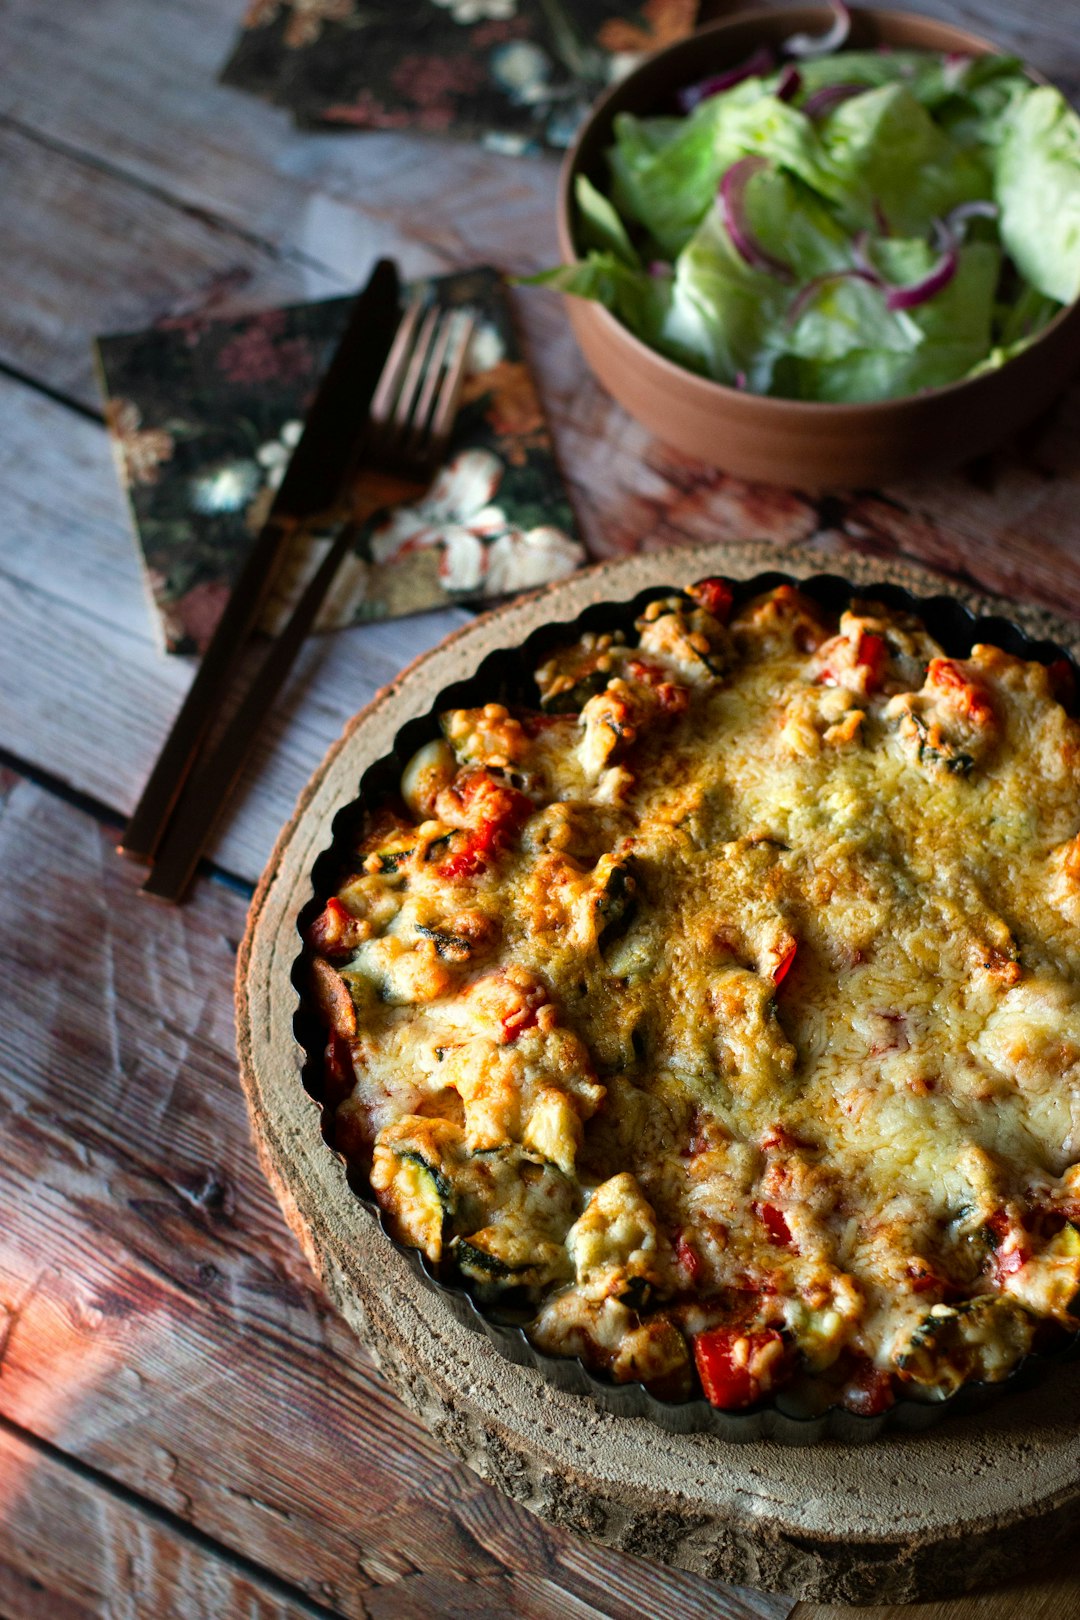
<point>412,411</point>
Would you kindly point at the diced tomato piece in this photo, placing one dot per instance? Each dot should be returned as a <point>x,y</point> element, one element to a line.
<point>869,1391</point>
<point>689,1259</point>
<point>672,698</point>
<point>715,596</point>
<point>517,1023</point>
<point>873,656</point>
<point>783,967</point>
<point>772,1219</point>
<point>334,931</point>
<point>971,699</point>
<point>736,1366</point>
<point>496,811</point>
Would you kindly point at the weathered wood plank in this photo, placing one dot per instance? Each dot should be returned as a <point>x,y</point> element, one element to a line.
<point>156,1320</point>
<point>132,259</point>
<point>71,1549</point>
<point>90,697</point>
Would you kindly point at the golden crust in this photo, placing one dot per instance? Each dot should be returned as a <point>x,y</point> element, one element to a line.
<point>730,1003</point>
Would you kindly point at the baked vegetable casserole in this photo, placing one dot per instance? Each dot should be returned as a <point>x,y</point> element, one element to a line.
<point>722,1008</point>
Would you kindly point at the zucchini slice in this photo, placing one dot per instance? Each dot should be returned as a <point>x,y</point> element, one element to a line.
<point>980,1338</point>
<point>420,1198</point>
<point>572,699</point>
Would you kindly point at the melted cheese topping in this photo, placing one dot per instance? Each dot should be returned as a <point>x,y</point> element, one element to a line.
<point>730,1004</point>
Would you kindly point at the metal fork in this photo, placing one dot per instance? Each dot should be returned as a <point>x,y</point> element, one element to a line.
<point>412,409</point>
<point>411,419</point>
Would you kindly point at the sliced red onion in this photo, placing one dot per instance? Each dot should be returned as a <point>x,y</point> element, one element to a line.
<point>829,96</point>
<point>919,292</point>
<point>693,95</point>
<point>805,46</point>
<point>955,220</point>
<point>660,267</point>
<point>789,84</point>
<point>740,380</point>
<point>732,198</point>
<point>807,294</point>
<point>860,252</point>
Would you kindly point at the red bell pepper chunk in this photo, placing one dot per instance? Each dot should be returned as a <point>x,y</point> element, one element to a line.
<point>783,967</point>
<point>970,697</point>
<point>873,655</point>
<point>772,1219</point>
<point>736,1366</point>
<point>715,596</point>
<point>334,931</point>
<point>688,1259</point>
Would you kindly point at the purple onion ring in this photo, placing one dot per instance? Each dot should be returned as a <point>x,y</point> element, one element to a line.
<point>807,294</point>
<point>808,45</point>
<point>958,217</point>
<point>732,198</point>
<point>919,292</point>
<point>692,95</point>
<point>789,84</point>
<point>829,96</point>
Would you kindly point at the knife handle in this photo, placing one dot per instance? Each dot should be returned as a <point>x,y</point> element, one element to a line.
<point>315,473</point>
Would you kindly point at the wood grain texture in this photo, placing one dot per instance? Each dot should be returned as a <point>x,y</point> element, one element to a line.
<point>91,696</point>
<point>901,1517</point>
<point>156,1320</point>
<point>112,1558</point>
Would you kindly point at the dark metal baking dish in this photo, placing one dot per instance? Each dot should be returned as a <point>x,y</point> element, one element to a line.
<point>506,675</point>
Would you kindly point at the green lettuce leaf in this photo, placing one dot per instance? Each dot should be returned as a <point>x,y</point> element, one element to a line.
<point>600,225</point>
<point>1038,189</point>
<point>640,300</point>
<point>665,170</point>
<point>889,152</point>
<point>732,316</point>
<point>954,333</point>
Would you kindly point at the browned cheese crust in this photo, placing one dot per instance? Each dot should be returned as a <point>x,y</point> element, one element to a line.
<point>727,1006</point>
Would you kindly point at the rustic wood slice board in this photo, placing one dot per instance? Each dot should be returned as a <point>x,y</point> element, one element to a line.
<point>907,1516</point>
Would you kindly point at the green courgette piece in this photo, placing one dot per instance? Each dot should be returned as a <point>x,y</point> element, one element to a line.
<point>572,699</point>
<point>615,903</point>
<point>451,947</point>
<point>949,759</point>
<point>391,859</point>
<point>480,1264</point>
<point>437,848</point>
<point>980,1338</point>
<point>428,1188</point>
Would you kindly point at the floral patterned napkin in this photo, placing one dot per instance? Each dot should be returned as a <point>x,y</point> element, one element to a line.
<point>205,412</point>
<point>518,74</point>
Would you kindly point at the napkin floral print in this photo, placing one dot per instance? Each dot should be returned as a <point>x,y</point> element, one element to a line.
<point>205,412</point>
<point>516,73</point>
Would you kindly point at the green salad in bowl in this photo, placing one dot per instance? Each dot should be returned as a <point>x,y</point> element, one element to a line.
<point>838,225</point>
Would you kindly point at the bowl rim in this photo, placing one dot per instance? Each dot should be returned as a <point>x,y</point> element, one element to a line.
<point>766,405</point>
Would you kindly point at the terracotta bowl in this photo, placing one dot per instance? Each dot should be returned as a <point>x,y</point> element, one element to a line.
<point>810,445</point>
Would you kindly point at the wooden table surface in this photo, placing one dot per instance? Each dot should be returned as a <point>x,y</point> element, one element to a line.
<point>186,1429</point>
